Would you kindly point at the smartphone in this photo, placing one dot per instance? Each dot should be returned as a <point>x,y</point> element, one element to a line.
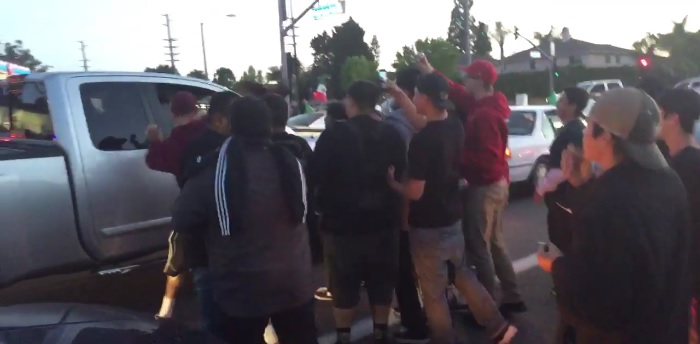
<point>382,77</point>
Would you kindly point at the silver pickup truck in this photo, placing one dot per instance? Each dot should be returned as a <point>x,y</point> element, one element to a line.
<point>76,192</point>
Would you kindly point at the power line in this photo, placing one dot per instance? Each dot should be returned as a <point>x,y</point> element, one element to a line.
<point>84,60</point>
<point>171,48</point>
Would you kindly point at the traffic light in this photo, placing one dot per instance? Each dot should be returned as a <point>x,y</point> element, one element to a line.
<point>644,62</point>
<point>483,29</point>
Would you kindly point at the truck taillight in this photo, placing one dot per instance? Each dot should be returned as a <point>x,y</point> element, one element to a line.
<point>508,153</point>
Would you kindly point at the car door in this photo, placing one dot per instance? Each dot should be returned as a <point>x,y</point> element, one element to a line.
<point>129,203</point>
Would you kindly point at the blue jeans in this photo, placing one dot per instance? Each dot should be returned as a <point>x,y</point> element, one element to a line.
<point>432,249</point>
<point>207,306</point>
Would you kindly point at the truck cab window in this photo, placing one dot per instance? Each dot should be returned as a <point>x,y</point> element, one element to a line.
<point>165,93</point>
<point>116,114</point>
<point>24,112</point>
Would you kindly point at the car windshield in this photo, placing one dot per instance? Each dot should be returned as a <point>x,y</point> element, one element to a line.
<point>304,120</point>
<point>521,123</point>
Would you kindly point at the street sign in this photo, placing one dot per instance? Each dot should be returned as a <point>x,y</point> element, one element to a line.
<point>534,54</point>
<point>327,8</point>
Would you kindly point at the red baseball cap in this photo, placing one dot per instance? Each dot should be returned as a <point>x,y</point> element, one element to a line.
<point>483,70</point>
<point>183,103</point>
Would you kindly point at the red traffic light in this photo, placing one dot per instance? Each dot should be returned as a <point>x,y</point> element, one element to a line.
<point>644,62</point>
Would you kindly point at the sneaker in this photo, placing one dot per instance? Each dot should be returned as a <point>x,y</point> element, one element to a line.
<point>515,307</point>
<point>323,294</point>
<point>412,337</point>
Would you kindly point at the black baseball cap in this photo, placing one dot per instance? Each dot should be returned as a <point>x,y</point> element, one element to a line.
<point>436,88</point>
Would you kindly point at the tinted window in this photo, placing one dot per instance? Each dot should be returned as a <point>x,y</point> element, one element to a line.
<point>24,111</point>
<point>116,114</point>
<point>612,86</point>
<point>548,126</point>
<point>521,122</point>
<point>599,88</point>
<point>304,120</point>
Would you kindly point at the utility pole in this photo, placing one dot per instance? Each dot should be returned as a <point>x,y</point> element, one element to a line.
<point>295,74</point>
<point>467,28</point>
<point>282,4</point>
<point>204,51</point>
<point>85,60</point>
<point>170,41</point>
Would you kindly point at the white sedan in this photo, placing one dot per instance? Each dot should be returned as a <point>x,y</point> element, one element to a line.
<point>531,130</point>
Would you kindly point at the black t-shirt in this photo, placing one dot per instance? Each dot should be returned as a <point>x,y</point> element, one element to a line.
<point>571,133</point>
<point>687,164</point>
<point>333,172</point>
<point>434,156</point>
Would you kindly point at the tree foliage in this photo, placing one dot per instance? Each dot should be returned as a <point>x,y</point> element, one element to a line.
<point>482,41</point>
<point>224,77</point>
<point>357,68</point>
<point>682,47</point>
<point>197,74</point>
<point>332,50</point>
<point>542,39</point>
<point>374,47</point>
<point>500,33</point>
<point>16,53</point>
<point>274,74</point>
<point>250,74</point>
<point>456,33</point>
<point>443,55</point>
<point>165,69</point>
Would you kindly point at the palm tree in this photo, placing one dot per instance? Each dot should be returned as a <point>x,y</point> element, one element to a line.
<point>500,33</point>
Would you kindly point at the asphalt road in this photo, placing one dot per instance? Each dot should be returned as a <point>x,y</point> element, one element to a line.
<point>524,226</point>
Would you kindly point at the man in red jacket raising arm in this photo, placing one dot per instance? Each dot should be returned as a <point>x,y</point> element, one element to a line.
<point>166,155</point>
<point>484,115</point>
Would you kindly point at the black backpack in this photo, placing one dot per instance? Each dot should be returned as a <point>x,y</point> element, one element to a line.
<point>371,191</point>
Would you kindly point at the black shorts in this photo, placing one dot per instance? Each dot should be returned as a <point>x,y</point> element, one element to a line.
<point>176,260</point>
<point>353,258</point>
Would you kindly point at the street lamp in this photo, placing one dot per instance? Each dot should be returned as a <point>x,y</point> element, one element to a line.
<point>204,49</point>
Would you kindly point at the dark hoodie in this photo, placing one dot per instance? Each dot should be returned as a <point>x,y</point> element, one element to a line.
<point>486,135</point>
<point>625,279</point>
<point>167,155</point>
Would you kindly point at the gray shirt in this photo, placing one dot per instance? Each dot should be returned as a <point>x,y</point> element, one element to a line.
<point>398,120</point>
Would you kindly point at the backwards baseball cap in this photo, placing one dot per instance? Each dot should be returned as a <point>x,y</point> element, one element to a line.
<point>436,88</point>
<point>633,116</point>
<point>183,103</point>
<point>482,70</point>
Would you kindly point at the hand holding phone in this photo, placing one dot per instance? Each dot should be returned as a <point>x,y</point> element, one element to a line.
<point>382,77</point>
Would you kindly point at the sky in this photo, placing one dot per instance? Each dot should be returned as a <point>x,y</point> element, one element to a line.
<point>128,35</point>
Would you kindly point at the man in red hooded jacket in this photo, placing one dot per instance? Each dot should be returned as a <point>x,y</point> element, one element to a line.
<point>166,155</point>
<point>484,114</point>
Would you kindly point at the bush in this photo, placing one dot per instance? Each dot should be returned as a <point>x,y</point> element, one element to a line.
<point>537,84</point>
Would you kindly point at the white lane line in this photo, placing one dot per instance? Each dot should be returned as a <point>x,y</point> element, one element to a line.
<point>365,327</point>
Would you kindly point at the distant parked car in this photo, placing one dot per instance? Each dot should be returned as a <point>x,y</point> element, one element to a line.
<point>692,83</point>
<point>597,87</point>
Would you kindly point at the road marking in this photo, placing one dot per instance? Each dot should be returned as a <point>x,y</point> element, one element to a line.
<point>365,327</point>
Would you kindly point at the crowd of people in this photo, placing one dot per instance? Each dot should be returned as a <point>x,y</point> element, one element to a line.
<point>410,205</point>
